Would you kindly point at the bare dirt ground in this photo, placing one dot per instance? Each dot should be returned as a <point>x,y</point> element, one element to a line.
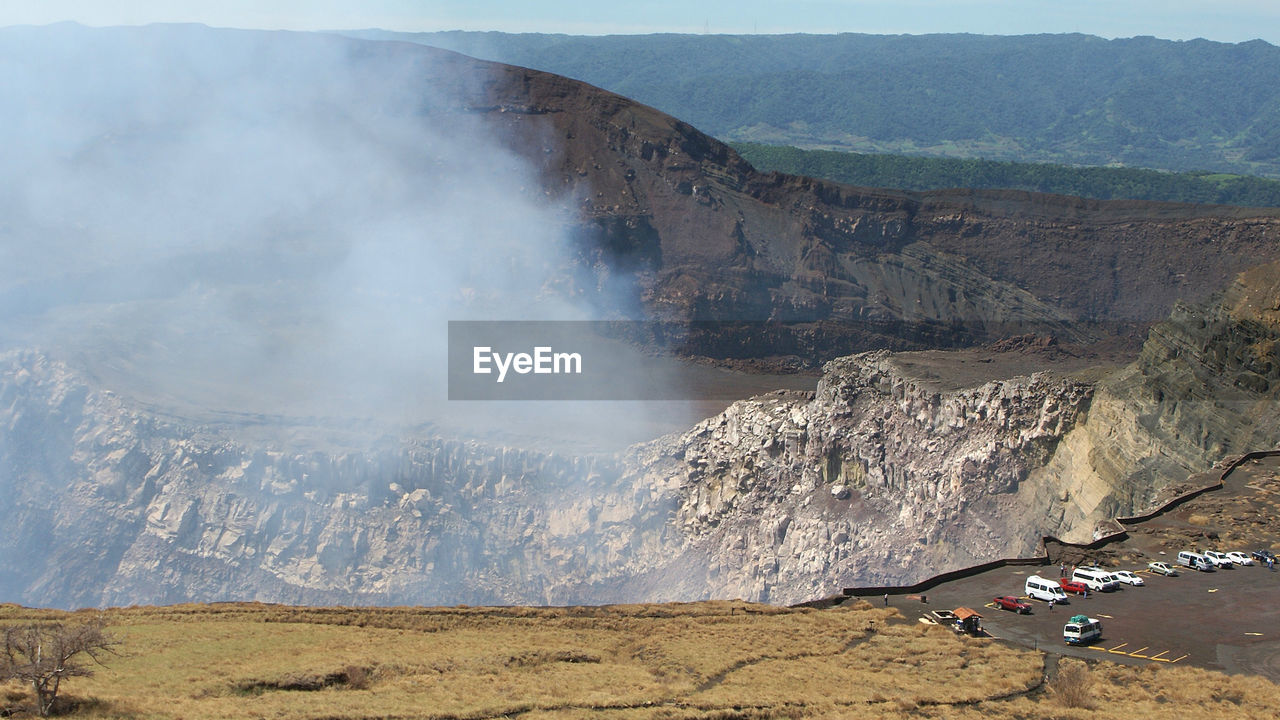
<point>1227,620</point>
<point>949,370</point>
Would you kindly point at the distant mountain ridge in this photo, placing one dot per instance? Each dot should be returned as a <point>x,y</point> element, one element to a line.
<point>927,173</point>
<point>1075,99</point>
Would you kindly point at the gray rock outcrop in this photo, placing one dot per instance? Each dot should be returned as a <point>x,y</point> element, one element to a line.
<point>887,473</point>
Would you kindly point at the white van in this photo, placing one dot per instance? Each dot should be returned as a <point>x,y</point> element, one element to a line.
<point>1218,559</point>
<point>1096,579</point>
<point>1195,561</point>
<point>1080,629</point>
<point>1042,589</point>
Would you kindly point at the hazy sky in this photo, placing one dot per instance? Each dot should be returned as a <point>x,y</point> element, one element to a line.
<point>1225,20</point>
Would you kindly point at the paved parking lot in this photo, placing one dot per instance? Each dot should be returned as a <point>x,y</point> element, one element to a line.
<point>1227,620</point>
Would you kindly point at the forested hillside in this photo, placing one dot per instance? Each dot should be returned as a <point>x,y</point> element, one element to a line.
<point>1104,183</point>
<point>1072,99</point>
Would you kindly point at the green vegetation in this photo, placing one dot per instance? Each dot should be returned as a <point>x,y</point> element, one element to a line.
<point>1071,99</point>
<point>918,173</point>
<point>695,661</point>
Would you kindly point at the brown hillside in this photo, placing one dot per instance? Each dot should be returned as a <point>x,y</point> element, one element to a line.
<point>709,237</point>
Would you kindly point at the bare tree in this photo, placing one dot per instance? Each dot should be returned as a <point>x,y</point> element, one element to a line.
<point>43,654</point>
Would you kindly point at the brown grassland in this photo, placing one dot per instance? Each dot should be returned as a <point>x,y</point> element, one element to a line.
<point>713,660</point>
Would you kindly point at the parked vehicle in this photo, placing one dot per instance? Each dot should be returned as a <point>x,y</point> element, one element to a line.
<point>1239,558</point>
<point>1263,554</point>
<point>1162,568</point>
<point>1043,589</point>
<point>1081,629</point>
<point>1218,559</point>
<point>1009,602</point>
<point>1096,579</point>
<point>1127,578</point>
<point>1196,561</point>
<point>1071,586</point>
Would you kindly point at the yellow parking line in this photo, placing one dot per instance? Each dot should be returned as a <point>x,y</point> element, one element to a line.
<point>1254,634</point>
<point>1106,616</point>
<point>1178,658</point>
<point>1114,649</point>
<point>1160,659</point>
<point>1157,655</point>
<point>1091,647</point>
<point>1134,653</point>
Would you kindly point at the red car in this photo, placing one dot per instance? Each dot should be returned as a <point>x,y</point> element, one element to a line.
<point>1009,602</point>
<point>1071,586</point>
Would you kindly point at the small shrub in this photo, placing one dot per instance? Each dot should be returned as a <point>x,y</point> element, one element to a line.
<point>357,677</point>
<point>1073,687</point>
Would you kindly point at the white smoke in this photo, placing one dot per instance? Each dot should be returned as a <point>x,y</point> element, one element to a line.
<point>260,222</point>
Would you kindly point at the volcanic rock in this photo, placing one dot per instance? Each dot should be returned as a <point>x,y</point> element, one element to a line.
<point>105,503</point>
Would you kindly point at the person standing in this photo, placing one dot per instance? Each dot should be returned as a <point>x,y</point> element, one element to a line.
<point>886,599</point>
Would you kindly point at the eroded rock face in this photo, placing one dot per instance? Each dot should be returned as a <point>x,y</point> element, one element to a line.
<point>886,473</point>
<point>878,477</point>
<point>106,504</point>
<point>1205,386</point>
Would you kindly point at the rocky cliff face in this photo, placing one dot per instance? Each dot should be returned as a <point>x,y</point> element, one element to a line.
<point>782,498</point>
<point>879,476</point>
<point>1204,386</point>
<point>104,503</point>
<point>898,466</point>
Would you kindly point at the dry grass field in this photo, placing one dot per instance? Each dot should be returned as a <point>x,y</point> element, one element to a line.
<point>714,660</point>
